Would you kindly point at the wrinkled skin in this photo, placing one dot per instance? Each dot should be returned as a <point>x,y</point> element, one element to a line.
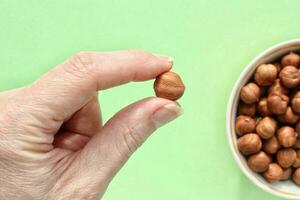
<point>53,145</point>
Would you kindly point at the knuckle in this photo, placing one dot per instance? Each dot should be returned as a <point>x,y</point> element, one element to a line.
<point>131,139</point>
<point>80,64</point>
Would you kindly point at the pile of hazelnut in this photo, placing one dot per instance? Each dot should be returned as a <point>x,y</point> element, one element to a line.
<point>268,120</point>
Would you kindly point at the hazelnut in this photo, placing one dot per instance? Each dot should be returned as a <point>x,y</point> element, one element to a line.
<point>287,173</point>
<point>273,173</point>
<point>277,88</point>
<point>247,109</point>
<point>278,103</point>
<point>289,76</point>
<point>271,145</point>
<point>262,107</point>
<point>286,157</point>
<point>297,161</point>
<point>289,117</point>
<point>259,162</point>
<point>169,85</point>
<point>244,124</point>
<point>290,59</point>
<point>266,127</point>
<point>286,136</point>
<point>296,176</point>
<point>265,74</point>
<point>250,93</point>
<point>296,102</point>
<point>297,144</point>
<point>249,144</point>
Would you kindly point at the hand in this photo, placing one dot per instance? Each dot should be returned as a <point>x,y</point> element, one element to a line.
<point>53,145</point>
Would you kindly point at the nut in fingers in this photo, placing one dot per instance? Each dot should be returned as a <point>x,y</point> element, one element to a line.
<point>169,86</point>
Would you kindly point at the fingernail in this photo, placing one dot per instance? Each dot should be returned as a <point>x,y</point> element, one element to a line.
<point>166,114</point>
<point>164,57</point>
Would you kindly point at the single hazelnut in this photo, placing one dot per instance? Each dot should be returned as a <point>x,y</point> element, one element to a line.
<point>297,128</point>
<point>291,59</point>
<point>250,93</point>
<point>297,161</point>
<point>297,144</point>
<point>247,109</point>
<point>244,124</point>
<point>169,85</point>
<point>273,173</point>
<point>259,162</point>
<point>289,76</point>
<point>271,145</point>
<point>277,103</point>
<point>289,117</point>
<point>265,74</point>
<point>262,107</point>
<point>286,157</point>
<point>296,176</point>
<point>266,127</point>
<point>286,136</point>
<point>249,144</point>
<point>296,102</point>
<point>277,88</point>
<point>287,173</point>
<point>278,66</point>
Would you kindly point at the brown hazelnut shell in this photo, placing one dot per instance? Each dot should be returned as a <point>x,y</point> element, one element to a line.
<point>278,103</point>
<point>249,144</point>
<point>289,77</point>
<point>259,162</point>
<point>266,127</point>
<point>271,145</point>
<point>297,161</point>
<point>296,176</point>
<point>286,136</point>
<point>265,74</point>
<point>247,109</point>
<point>250,93</point>
<point>277,88</point>
<point>274,172</point>
<point>169,85</point>
<point>289,117</point>
<point>296,102</point>
<point>286,157</point>
<point>244,124</point>
<point>262,107</point>
<point>290,59</point>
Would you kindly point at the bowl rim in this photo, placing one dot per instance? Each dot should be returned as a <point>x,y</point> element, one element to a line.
<point>229,117</point>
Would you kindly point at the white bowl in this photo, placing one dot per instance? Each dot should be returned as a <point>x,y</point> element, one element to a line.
<point>286,189</point>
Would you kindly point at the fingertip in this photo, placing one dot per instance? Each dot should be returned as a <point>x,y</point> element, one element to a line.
<point>157,64</point>
<point>168,59</point>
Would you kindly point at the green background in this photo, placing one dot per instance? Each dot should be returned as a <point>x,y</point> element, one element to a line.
<point>211,40</point>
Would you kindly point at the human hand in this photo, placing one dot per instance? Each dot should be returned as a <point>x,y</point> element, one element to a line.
<point>52,142</point>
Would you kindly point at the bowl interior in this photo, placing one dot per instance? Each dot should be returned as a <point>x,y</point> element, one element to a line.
<point>285,189</point>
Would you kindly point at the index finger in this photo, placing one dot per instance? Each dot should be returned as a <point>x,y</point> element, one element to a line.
<point>69,86</point>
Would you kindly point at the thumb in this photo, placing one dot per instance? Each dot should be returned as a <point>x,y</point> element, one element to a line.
<point>109,149</point>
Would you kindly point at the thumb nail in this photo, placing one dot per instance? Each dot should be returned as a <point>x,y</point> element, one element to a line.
<point>166,114</point>
<point>167,58</point>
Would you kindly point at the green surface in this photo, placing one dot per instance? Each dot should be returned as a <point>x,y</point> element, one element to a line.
<point>211,40</point>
